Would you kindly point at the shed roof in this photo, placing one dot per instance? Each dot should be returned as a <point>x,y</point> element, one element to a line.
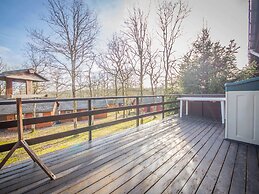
<point>27,108</point>
<point>115,101</point>
<point>22,75</point>
<point>149,100</point>
<point>251,84</point>
<point>82,105</point>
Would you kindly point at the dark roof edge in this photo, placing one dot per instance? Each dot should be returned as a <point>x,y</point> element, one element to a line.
<point>6,73</point>
<point>254,79</point>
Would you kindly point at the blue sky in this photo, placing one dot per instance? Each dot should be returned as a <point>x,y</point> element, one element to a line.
<point>16,17</point>
<point>226,19</point>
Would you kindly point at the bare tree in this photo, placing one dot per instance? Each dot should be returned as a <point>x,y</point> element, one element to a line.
<point>2,65</point>
<point>137,35</point>
<point>111,69</point>
<point>2,83</point>
<point>171,16</point>
<point>117,55</point>
<point>104,79</point>
<point>58,81</point>
<point>90,77</point>
<point>40,63</point>
<point>154,69</point>
<point>118,66</point>
<point>110,63</point>
<point>74,29</point>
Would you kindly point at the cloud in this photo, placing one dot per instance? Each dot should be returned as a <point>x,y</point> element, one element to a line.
<point>4,50</point>
<point>13,60</point>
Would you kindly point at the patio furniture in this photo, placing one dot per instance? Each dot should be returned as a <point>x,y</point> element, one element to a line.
<point>202,99</point>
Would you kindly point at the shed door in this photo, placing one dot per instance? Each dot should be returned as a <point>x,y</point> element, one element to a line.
<point>243,116</point>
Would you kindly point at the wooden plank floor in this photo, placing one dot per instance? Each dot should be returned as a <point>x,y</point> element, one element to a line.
<point>186,155</point>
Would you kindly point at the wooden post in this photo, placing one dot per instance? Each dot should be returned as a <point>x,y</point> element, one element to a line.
<point>19,118</point>
<point>90,119</point>
<point>9,87</point>
<point>74,111</point>
<point>163,107</point>
<point>28,87</point>
<point>137,111</point>
<point>22,143</point>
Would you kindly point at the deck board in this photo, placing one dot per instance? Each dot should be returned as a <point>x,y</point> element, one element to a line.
<point>252,185</point>
<point>64,166</point>
<point>226,173</point>
<point>184,167</point>
<point>187,155</point>
<point>238,183</point>
<point>147,166</point>
<point>118,162</point>
<point>175,164</point>
<point>209,180</point>
<point>194,172</point>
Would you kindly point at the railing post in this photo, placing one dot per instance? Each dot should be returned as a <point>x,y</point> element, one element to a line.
<point>163,107</point>
<point>90,119</point>
<point>137,111</point>
<point>19,118</point>
<point>22,143</point>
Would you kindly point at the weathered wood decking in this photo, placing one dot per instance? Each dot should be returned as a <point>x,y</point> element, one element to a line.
<point>170,156</point>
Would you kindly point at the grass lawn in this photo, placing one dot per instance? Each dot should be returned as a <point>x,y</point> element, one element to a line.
<point>62,143</point>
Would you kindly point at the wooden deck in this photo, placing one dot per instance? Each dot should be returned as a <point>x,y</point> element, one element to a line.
<point>171,156</point>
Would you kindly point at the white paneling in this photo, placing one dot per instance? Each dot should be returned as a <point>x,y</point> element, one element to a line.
<point>242,116</point>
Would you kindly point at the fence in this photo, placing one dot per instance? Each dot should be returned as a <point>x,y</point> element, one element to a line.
<point>90,113</point>
<point>20,122</point>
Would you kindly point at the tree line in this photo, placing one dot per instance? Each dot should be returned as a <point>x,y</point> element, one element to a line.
<point>67,55</point>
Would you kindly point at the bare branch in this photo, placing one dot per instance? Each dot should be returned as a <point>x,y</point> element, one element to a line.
<point>74,29</point>
<point>171,16</point>
<point>137,37</point>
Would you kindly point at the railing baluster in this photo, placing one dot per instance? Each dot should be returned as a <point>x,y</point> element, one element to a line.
<point>137,111</point>
<point>163,107</point>
<point>90,119</point>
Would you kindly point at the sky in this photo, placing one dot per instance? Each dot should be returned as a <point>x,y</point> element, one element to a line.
<point>226,20</point>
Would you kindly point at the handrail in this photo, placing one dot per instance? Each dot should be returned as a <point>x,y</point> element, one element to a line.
<point>89,113</point>
<point>29,101</point>
<point>43,119</point>
<point>20,122</point>
<point>37,140</point>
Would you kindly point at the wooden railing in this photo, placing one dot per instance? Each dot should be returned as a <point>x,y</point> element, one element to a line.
<point>20,121</point>
<point>90,113</point>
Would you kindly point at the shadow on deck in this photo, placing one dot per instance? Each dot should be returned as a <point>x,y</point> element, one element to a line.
<point>174,155</point>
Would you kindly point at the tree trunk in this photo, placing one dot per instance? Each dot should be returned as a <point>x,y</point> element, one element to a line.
<point>141,85</point>
<point>166,74</point>
<point>116,94</point>
<point>57,90</point>
<point>90,85</point>
<point>141,78</point>
<point>124,102</point>
<point>74,92</point>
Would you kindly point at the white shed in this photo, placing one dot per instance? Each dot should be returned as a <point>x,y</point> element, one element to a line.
<point>242,111</point>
